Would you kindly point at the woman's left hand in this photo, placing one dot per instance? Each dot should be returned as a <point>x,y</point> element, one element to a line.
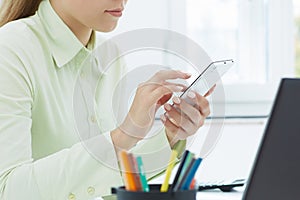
<point>182,119</point>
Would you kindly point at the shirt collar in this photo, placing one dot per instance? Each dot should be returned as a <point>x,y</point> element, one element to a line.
<point>64,45</point>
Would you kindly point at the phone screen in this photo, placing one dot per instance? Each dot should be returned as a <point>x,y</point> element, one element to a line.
<point>209,77</point>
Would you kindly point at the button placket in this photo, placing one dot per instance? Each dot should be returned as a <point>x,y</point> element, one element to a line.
<point>89,76</point>
<point>82,75</point>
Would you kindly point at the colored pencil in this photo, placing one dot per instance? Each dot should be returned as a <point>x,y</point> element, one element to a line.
<point>127,173</point>
<point>165,185</point>
<point>144,182</point>
<point>190,175</point>
<point>183,159</point>
<point>186,163</point>
<point>179,185</point>
<point>135,172</point>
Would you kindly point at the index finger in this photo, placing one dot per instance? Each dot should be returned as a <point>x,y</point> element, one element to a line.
<point>169,74</point>
<point>210,91</point>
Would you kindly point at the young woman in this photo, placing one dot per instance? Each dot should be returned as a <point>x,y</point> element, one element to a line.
<point>42,47</point>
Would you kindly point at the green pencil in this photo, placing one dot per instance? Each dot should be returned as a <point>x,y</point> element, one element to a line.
<point>145,185</point>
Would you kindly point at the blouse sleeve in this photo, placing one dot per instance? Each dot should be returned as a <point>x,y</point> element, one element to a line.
<point>71,173</point>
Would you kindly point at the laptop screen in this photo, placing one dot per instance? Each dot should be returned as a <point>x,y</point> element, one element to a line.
<point>276,171</point>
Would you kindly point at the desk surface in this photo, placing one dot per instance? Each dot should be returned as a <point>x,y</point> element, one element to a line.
<point>207,195</point>
<point>219,195</point>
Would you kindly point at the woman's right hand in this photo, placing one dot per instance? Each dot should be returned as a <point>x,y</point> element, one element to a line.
<point>149,96</point>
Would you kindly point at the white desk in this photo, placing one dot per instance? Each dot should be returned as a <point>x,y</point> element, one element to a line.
<point>219,195</point>
<point>208,195</point>
<point>231,159</point>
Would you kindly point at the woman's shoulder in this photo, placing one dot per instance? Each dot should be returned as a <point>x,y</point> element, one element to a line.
<point>19,33</point>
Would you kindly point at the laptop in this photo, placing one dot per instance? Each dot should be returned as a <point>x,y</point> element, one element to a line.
<point>276,171</point>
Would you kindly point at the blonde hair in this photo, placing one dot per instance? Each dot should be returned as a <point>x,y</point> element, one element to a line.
<point>16,9</point>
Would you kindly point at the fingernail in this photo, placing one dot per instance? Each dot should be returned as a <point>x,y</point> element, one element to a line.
<point>186,73</point>
<point>173,121</point>
<point>191,94</point>
<point>176,100</point>
<point>168,107</point>
<point>179,88</point>
<point>179,71</point>
<point>163,118</point>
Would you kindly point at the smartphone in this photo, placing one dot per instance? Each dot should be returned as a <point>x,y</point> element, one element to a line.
<point>208,78</point>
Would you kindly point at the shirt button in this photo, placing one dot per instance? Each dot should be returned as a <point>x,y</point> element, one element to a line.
<point>93,119</point>
<point>91,190</point>
<point>72,196</point>
<point>81,75</point>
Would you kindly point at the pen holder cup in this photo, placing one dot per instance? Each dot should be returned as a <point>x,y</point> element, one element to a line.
<point>154,194</point>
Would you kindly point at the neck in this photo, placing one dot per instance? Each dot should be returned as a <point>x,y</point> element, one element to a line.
<point>83,33</point>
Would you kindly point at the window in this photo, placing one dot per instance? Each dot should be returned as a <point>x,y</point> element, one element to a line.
<point>216,30</point>
<point>246,31</point>
<point>257,34</point>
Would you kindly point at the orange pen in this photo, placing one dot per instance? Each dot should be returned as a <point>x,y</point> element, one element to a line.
<point>135,170</point>
<point>126,171</point>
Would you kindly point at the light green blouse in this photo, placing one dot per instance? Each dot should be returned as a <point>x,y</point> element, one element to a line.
<point>46,152</point>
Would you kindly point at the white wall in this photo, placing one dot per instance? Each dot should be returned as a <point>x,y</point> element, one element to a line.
<point>143,14</point>
<point>234,153</point>
<point>233,156</point>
